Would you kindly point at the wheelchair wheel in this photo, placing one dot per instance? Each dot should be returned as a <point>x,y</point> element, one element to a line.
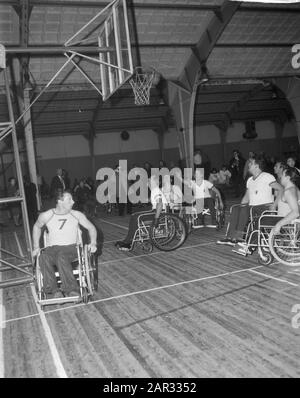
<point>85,295</point>
<point>285,247</point>
<point>187,218</point>
<point>90,271</point>
<point>39,281</point>
<point>170,233</point>
<point>265,258</point>
<point>147,247</point>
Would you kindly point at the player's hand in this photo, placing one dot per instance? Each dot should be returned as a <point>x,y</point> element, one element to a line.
<point>276,229</point>
<point>92,247</point>
<point>35,252</point>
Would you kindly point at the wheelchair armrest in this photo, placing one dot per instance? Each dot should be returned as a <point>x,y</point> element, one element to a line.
<point>237,205</point>
<point>269,212</point>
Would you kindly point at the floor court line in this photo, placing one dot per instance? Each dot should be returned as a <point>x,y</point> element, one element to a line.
<point>155,254</point>
<point>61,373</point>
<point>113,224</point>
<point>138,292</point>
<point>276,279</point>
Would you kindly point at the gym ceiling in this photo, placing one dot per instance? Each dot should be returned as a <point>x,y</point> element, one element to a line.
<point>242,60</point>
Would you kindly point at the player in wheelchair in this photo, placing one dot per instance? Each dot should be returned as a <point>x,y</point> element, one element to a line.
<point>277,231</point>
<point>257,199</point>
<point>157,227</point>
<point>63,245</point>
<point>206,201</point>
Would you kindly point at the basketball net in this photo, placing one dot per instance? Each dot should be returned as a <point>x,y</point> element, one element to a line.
<point>141,84</point>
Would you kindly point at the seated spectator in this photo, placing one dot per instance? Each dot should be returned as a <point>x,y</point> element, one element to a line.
<point>214,177</point>
<point>14,207</point>
<point>291,161</point>
<point>258,196</point>
<point>62,235</point>
<point>224,175</point>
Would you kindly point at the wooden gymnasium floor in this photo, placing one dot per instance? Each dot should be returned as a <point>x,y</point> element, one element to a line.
<point>201,311</point>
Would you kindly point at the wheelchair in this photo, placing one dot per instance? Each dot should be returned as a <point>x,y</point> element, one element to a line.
<point>85,270</point>
<point>285,246</point>
<point>260,235</point>
<point>168,235</point>
<point>190,215</point>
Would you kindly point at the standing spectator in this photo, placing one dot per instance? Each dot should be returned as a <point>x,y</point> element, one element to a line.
<point>162,164</point>
<point>57,182</point>
<point>65,176</point>
<point>81,194</point>
<point>76,182</point>
<point>236,166</point>
<point>201,162</point>
<point>147,167</point>
<point>246,173</point>
<point>31,200</point>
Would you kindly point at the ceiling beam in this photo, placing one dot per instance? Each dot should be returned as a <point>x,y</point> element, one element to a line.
<point>154,6</point>
<point>267,8</point>
<point>146,6</point>
<point>255,45</point>
<point>50,50</point>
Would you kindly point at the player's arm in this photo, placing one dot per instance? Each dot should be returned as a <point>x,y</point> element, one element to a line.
<point>218,195</point>
<point>84,222</point>
<point>36,232</point>
<point>275,185</point>
<point>245,198</point>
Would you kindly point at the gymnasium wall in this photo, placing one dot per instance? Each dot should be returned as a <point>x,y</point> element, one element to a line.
<point>208,140</point>
<point>72,152</point>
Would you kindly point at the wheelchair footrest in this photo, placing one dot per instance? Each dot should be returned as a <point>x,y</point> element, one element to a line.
<point>61,300</point>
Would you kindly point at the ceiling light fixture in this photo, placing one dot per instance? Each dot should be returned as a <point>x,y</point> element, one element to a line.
<point>204,75</point>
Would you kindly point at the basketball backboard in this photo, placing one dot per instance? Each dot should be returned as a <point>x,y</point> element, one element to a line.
<point>116,65</point>
<point>110,31</point>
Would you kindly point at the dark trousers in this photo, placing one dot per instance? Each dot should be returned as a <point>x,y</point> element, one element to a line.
<point>122,206</point>
<point>209,203</point>
<point>133,223</point>
<point>61,257</point>
<point>239,219</point>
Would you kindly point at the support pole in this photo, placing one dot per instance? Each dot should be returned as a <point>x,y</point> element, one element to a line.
<point>30,144</point>
<point>18,168</point>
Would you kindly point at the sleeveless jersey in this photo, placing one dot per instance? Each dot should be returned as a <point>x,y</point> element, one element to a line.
<point>62,229</point>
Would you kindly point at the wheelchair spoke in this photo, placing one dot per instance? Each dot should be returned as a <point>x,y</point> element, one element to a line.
<point>285,247</point>
<point>170,233</point>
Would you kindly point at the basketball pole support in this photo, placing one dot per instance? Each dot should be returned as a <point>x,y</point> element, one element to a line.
<point>23,263</point>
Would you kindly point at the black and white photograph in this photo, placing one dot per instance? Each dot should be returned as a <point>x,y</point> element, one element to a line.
<point>149,192</point>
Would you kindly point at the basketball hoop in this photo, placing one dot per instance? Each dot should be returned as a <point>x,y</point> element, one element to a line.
<point>141,84</point>
<point>2,57</point>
